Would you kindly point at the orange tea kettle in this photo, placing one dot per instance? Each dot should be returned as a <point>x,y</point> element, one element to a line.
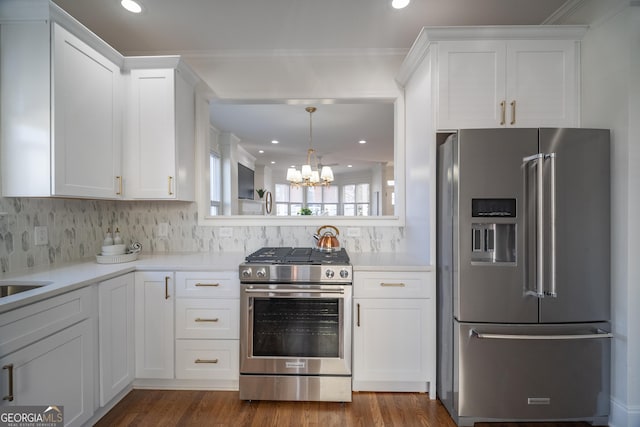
<point>327,242</point>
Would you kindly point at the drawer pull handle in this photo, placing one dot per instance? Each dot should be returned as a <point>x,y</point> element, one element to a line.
<point>170,185</point>
<point>358,315</point>
<point>215,285</point>
<point>206,360</point>
<point>513,112</point>
<point>199,319</point>
<point>166,287</point>
<point>119,192</point>
<point>502,113</point>
<point>9,396</point>
<point>392,285</point>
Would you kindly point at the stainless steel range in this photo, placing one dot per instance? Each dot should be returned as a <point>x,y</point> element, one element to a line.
<point>295,317</point>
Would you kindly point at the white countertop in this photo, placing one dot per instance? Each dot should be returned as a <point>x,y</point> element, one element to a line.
<point>68,277</point>
<point>72,276</point>
<point>388,261</point>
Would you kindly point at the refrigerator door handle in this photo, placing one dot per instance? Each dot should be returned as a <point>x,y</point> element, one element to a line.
<point>539,185</point>
<point>599,333</point>
<point>552,226</point>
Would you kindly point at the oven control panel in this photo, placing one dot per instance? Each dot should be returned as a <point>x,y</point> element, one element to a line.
<point>274,273</point>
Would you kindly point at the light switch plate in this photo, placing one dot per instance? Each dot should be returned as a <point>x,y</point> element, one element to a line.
<point>41,235</point>
<point>163,229</point>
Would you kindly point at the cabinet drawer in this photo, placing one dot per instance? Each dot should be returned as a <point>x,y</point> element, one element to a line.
<point>378,284</point>
<point>208,284</point>
<point>207,318</point>
<point>28,324</point>
<point>207,359</point>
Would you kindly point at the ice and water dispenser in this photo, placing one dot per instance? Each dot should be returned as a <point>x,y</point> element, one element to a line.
<point>493,242</point>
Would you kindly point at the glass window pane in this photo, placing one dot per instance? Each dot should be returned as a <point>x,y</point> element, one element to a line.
<point>295,194</point>
<point>282,193</point>
<point>362,193</point>
<point>349,209</point>
<point>282,209</point>
<point>363,210</point>
<point>295,209</point>
<point>330,210</point>
<point>314,194</point>
<point>330,194</point>
<point>348,193</point>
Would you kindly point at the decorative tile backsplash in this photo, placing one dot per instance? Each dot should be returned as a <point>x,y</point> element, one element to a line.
<point>76,229</point>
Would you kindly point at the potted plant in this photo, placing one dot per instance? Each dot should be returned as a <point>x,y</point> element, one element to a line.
<point>305,211</point>
<point>261,192</point>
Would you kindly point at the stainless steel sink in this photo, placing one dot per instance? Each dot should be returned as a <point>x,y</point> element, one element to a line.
<point>12,287</point>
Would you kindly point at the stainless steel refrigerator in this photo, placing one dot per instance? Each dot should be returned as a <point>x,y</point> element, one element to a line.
<point>523,275</point>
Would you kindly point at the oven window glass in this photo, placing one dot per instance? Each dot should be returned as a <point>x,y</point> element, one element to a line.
<point>296,327</point>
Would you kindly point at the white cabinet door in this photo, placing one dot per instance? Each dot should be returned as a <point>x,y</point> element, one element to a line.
<point>154,324</point>
<point>116,335</point>
<point>160,154</point>
<point>471,84</point>
<point>86,115</point>
<point>389,345</point>
<point>515,83</point>
<point>542,87</point>
<point>57,370</point>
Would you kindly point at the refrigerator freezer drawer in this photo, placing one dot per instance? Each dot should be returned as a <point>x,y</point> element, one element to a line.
<point>533,372</point>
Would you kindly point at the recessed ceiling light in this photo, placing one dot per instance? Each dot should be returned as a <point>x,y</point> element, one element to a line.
<point>273,162</point>
<point>362,141</point>
<point>274,141</point>
<point>261,151</point>
<point>131,6</point>
<point>399,4</point>
<point>349,166</point>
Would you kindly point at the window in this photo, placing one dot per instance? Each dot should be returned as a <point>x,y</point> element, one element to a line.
<point>320,200</point>
<point>215,186</point>
<point>356,200</point>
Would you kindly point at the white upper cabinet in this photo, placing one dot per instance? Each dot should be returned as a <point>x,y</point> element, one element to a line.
<point>159,156</point>
<point>87,120</point>
<point>516,83</point>
<point>487,77</point>
<point>60,109</point>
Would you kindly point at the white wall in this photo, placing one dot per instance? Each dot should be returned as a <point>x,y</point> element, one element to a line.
<point>611,99</point>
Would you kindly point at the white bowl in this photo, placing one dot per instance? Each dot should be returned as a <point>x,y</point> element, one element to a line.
<point>114,249</point>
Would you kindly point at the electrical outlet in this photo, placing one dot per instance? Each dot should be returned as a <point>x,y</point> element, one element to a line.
<point>41,235</point>
<point>163,229</point>
<point>353,232</point>
<point>226,232</point>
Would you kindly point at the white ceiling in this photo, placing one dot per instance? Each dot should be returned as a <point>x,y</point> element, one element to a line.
<point>211,27</point>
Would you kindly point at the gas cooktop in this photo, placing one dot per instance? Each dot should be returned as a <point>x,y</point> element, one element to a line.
<point>289,255</point>
<point>296,265</point>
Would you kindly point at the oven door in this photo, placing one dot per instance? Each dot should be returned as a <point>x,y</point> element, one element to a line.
<point>295,329</point>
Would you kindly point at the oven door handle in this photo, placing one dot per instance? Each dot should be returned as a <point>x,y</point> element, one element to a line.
<point>294,291</point>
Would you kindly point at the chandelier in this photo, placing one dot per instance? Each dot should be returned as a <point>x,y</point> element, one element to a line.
<point>308,175</point>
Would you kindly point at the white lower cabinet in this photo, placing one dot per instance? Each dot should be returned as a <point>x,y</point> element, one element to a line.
<point>394,347</point>
<point>154,323</point>
<point>208,327</point>
<point>57,369</point>
<point>116,335</point>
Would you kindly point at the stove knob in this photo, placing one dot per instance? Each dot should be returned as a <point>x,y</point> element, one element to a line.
<point>261,273</point>
<point>246,273</point>
<point>344,273</point>
<point>329,273</point>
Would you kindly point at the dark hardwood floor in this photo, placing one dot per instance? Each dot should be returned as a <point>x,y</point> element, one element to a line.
<point>223,408</point>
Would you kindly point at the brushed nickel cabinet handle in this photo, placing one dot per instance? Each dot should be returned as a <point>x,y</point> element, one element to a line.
<point>358,314</point>
<point>119,192</point>
<point>392,285</point>
<point>9,396</point>
<point>170,186</point>
<point>206,361</point>
<point>166,287</point>
<point>502,113</point>
<point>208,284</point>
<point>513,112</point>
<point>199,319</point>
